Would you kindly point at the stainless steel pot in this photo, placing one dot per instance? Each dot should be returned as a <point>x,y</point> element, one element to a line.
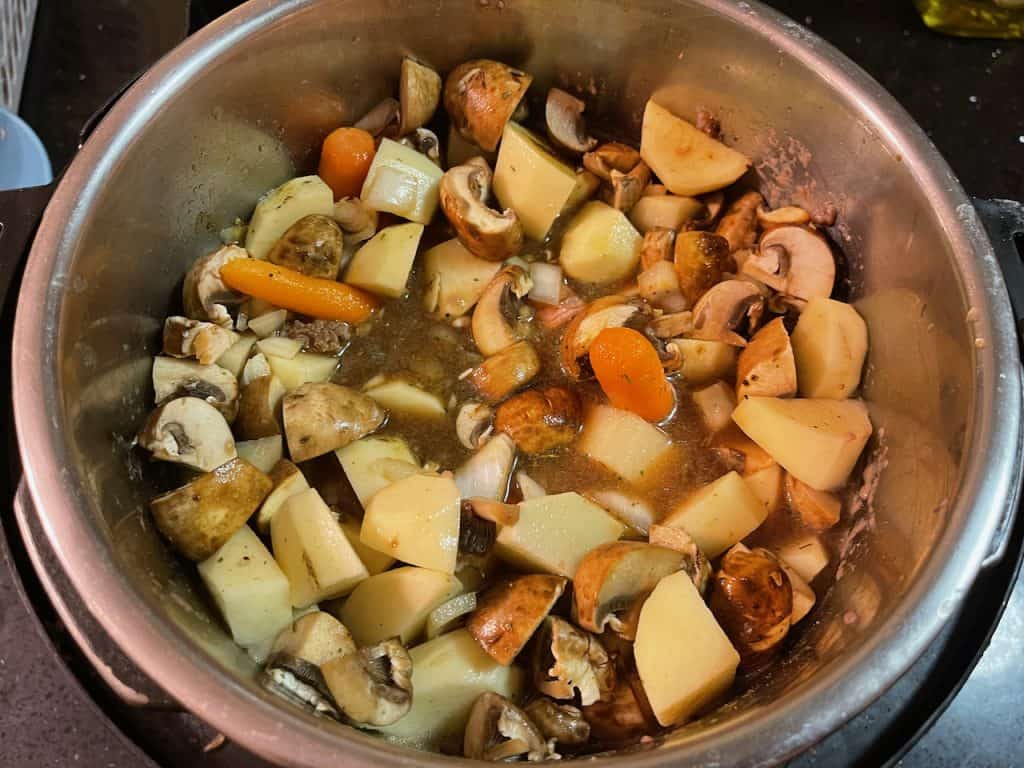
<point>236,108</point>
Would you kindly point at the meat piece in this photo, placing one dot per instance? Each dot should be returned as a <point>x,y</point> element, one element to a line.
<point>328,337</point>
<point>709,124</point>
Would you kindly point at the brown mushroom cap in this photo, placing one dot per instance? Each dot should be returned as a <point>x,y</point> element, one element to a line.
<point>480,96</point>
<point>563,723</point>
<point>794,261</point>
<point>700,259</point>
<point>540,420</point>
<point>485,232</point>
<point>766,366</point>
<point>752,599</point>
<point>739,222</point>
<point>621,718</point>
<point>501,374</point>
<point>313,245</point>
<point>419,90</point>
<point>508,613</point>
<point>606,312</point>
<point>563,116</point>
<point>323,416</point>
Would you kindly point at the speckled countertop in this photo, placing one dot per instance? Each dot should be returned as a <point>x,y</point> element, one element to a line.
<point>967,94</point>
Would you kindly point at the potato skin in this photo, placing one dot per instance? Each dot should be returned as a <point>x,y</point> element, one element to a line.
<point>199,517</point>
<point>312,245</point>
<point>540,420</point>
<point>752,599</point>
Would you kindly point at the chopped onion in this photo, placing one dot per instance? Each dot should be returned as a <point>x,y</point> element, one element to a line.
<point>631,510</point>
<point>528,487</point>
<point>269,323</point>
<point>547,283</point>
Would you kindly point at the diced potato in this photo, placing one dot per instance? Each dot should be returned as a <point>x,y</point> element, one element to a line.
<point>279,346</point>
<point>312,551</point>
<point>401,397</point>
<point>817,441</point>
<point>234,358</point>
<point>532,181</point>
<point>667,211</point>
<point>384,262</point>
<point>282,207</point>
<point>248,587</point>
<point>705,360</point>
<point>262,453</point>
<point>256,367</point>
<point>688,161</point>
<point>768,484</point>
<point>448,674</point>
<point>623,442</point>
<point>375,562</point>
<point>396,603</point>
<point>830,342</point>
<point>600,245</point>
<point>362,462</point>
<point>806,555</point>
<point>715,403</point>
<point>268,323</point>
<point>719,514</point>
<point>457,276</point>
<point>415,520</point>
<point>555,532</point>
<point>803,596</point>
<point>316,637</point>
<point>288,481</point>
<point>684,659</point>
<point>403,182</point>
<point>304,368</point>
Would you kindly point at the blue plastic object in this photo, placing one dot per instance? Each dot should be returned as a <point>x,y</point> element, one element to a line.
<point>23,159</point>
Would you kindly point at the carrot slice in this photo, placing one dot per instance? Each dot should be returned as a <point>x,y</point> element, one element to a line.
<point>286,288</point>
<point>629,371</point>
<point>345,160</point>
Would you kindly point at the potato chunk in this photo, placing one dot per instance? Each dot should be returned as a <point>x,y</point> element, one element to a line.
<point>806,555</point>
<point>623,442</point>
<point>457,276</point>
<point>688,161</point>
<point>282,207</point>
<point>316,637</point>
<point>702,361</point>
<point>600,245</point>
<point>367,463</point>
<point>403,182</point>
<point>684,658</point>
<point>304,368</point>
<point>719,514</point>
<point>830,342</point>
<point>312,550</point>
<point>765,367</point>
<point>383,264</point>
<point>767,483</point>
<point>555,532</point>
<point>395,604</point>
<point>817,441</point>
<point>448,673</point>
<point>248,587</point>
<point>716,403</point>
<point>415,520</point>
<point>404,399</point>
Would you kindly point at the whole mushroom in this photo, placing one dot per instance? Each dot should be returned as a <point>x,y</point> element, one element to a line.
<point>189,431</point>
<point>480,96</point>
<point>204,294</point>
<point>372,686</point>
<point>794,261</point>
<point>540,420</point>
<point>499,730</point>
<point>486,233</point>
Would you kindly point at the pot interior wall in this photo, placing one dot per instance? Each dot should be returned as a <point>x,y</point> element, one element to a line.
<point>244,121</point>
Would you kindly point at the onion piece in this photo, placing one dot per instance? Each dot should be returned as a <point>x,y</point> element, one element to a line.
<point>528,487</point>
<point>547,283</point>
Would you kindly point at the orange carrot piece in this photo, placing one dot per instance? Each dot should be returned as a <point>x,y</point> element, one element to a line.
<point>286,288</point>
<point>629,371</point>
<point>345,160</point>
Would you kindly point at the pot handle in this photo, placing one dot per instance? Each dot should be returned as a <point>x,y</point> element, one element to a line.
<point>1004,222</point>
<point>117,671</point>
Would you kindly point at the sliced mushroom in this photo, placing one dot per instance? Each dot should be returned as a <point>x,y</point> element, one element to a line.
<point>494,317</point>
<point>722,309</point>
<point>562,723</point>
<point>627,188</point>
<point>476,534</point>
<point>372,686</point>
<point>474,424</point>
<point>480,96</point>
<point>794,261</point>
<point>701,258</point>
<point>206,342</point>
<point>613,576</point>
<point>609,157</point>
<point>672,325</point>
<point>419,91</point>
<point>790,215</point>
<point>313,245</point>
<point>509,613</point>
<point>606,312</point>
<point>259,408</point>
<point>199,517</point>
<point>502,374</point>
<point>818,510</point>
<point>540,420</point>
<point>497,730</point>
<point>752,600</point>
<point>621,717</point>
<point>189,431</point>
<point>358,222</point>
<point>485,474</point>
<point>739,223</point>
<point>382,120</point>
<point>185,378</point>
<point>497,512</point>
<point>656,247</point>
<point>485,232</point>
<point>204,294</point>
<point>766,366</point>
<point>426,143</point>
<point>300,682</point>
<point>568,661</point>
<point>316,637</point>
<point>695,562</point>
<point>563,116</point>
<point>323,416</point>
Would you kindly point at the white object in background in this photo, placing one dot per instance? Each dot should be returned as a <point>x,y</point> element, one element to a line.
<point>23,159</point>
<point>16,19</point>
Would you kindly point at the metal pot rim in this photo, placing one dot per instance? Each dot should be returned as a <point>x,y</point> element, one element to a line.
<point>161,650</point>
